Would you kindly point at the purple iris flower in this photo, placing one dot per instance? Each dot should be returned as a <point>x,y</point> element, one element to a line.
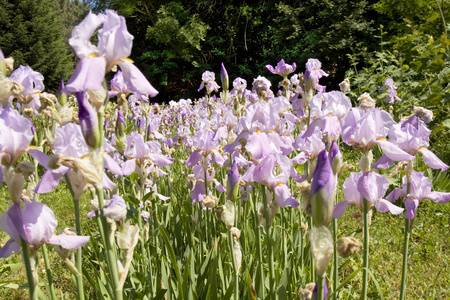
<point>113,48</point>
<point>205,144</point>
<point>365,129</point>
<point>199,191</point>
<point>36,225</point>
<point>239,85</point>
<point>208,81</point>
<point>327,110</point>
<point>283,69</point>
<point>137,151</point>
<point>323,189</point>
<point>309,147</point>
<point>33,83</point>
<point>69,142</point>
<point>313,72</point>
<point>392,92</point>
<point>370,186</point>
<point>420,189</point>
<point>412,136</point>
<point>115,209</point>
<point>264,173</point>
<point>15,136</point>
<point>258,129</point>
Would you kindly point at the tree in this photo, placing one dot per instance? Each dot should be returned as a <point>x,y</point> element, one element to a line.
<point>32,33</point>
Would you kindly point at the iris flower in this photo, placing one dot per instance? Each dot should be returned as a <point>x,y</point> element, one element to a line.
<point>264,173</point>
<point>36,225</point>
<point>420,190</point>
<point>392,91</point>
<point>283,69</point>
<point>33,83</point>
<point>412,136</point>
<point>113,48</point>
<point>370,186</point>
<point>365,129</point>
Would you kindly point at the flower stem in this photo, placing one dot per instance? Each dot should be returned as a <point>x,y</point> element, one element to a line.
<point>405,248</point>
<point>259,284</point>
<point>269,232</point>
<point>235,270</point>
<point>79,262</point>
<point>335,260</point>
<point>366,251</point>
<point>48,271</point>
<point>320,291</point>
<point>27,262</point>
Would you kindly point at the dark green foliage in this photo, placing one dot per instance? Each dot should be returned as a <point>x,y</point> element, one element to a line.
<point>33,33</point>
<point>176,41</point>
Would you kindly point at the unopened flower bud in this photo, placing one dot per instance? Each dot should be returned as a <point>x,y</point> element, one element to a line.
<point>224,77</point>
<point>347,246</point>
<point>62,96</point>
<point>120,124</point>
<point>233,182</point>
<point>321,248</point>
<point>323,188</point>
<point>15,182</point>
<point>127,239</point>
<point>335,157</point>
<point>88,121</point>
<point>366,161</point>
<point>227,216</point>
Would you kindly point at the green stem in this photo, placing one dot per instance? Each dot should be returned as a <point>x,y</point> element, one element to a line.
<point>235,270</point>
<point>48,271</point>
<point>320,291</point>
<point>405,249</point>
<point>312,266</point>
<point>110,251</point>
<point>79,262</point>
<point>269,232</point>
<point>103,226</point>
<point>26,260</point>
<point>259,284</point>
<point>335,260</point>
<point>366,251</point>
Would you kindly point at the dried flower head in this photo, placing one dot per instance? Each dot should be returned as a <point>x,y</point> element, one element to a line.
<point>347,246</point>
